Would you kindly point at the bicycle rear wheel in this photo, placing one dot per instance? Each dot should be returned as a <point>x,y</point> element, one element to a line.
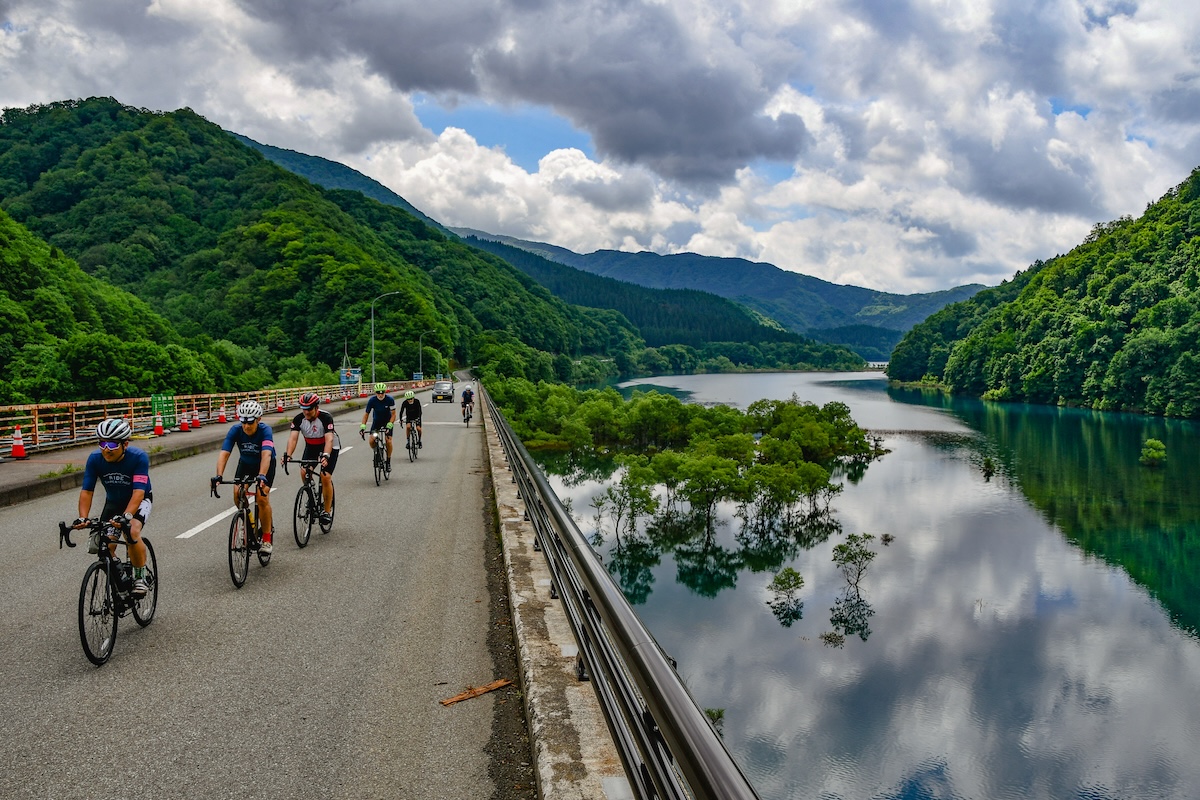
<point>239,549</point>
<point>143,608</point>
<point>97,614</point>
<point>302,520</point>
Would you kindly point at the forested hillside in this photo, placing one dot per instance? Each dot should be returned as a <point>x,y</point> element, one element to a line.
<point>65,333</point>
<point>663,316</point>
<point>231,248</point>
<point>1114,324</point>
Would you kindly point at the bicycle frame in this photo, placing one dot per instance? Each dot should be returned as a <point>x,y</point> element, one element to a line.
<point>106,594</point>
<point>310,500</point>
<point>245,530</point>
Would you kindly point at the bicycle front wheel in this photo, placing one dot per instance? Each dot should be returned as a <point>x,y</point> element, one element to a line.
<point>412,445</point>
<point>97,614</point>
<point>143,608</point>
<point>379,462</point>
<point>239,549</point>
<point>306,512</point>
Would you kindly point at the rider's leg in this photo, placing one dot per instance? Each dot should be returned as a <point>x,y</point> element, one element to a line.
<point>389,446</point>
<point>327,490</point>
<point>137,550</point>
<point>264,512</point>
<point>419,443</point>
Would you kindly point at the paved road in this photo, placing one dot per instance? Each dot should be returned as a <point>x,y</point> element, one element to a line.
<point>320,678</point>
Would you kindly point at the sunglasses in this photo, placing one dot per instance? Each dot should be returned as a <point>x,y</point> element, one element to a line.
<point>110,445</point>
<point>248,420</point>
<point>380,391</point>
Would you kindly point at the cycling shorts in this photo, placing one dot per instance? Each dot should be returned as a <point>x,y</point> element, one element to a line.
<point>313,452</point>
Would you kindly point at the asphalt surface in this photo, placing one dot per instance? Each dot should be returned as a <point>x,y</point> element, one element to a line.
<point>320,678</point>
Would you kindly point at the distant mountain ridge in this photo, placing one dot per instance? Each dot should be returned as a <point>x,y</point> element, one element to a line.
<point>799,302</point>
<point>335,175</point>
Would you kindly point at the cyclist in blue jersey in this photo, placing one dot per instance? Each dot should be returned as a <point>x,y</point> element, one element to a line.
<point>382,410</point>
<point>125,473</point>
<point>256,456</point>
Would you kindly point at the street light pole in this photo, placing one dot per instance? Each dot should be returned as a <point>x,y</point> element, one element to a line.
<point>385,294</point>
<point>421,354</point>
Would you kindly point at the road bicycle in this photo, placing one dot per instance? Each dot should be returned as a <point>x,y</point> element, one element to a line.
<point>245,529</point>
<point>310,501</point>
<point>413,444</point>
<point>383,469</point>
<point>106,594</point>
<point>468,410</point>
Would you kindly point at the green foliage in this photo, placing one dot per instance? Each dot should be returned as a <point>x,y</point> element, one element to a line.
<point>237,252</point>
<point>853,556</point>
<point>1112,325</point>
<point>1154,453</point>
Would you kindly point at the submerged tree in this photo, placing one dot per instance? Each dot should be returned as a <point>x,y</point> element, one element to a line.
<point>784,603</point>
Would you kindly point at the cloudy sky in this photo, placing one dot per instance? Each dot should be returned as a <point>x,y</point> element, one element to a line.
<point>905,145</point>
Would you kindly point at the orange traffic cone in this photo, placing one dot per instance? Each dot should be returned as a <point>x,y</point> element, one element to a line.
<point>18,445</point>
<point>158,425</point>
<point>183,423</point>
<point>222,417</point>
<point>195,418</point>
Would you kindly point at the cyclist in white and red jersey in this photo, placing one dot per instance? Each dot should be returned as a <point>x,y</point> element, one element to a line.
<point>320,442</point>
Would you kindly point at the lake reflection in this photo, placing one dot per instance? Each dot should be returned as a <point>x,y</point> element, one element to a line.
<point>1027,636</point>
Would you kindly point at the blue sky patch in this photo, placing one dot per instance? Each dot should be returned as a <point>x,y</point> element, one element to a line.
<point>526,132</point>
<point>1059,106</point>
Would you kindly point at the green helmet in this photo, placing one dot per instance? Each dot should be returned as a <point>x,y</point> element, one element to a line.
<point>381,387</point>
<point>410,394</point>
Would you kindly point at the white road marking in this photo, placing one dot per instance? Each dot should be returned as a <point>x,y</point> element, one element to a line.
<point>190,533</point>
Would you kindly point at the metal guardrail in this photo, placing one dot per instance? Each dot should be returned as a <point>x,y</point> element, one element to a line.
<point>669,747</point>
<point>51,426</point>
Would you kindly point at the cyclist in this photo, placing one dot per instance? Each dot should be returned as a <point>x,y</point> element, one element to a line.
<point>256,456</point>
<point>410,409</point>
<point>320,441</point>
<point>468,400</point>
<point>382,410</point>
<point>125,473</point>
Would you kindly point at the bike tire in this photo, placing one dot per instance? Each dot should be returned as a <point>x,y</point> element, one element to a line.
<point>97,614</point>
<point>144,607</point>
<point>412,446</point>
<point>239,548</point>
<point>302,519</point>
<point>378,467</point>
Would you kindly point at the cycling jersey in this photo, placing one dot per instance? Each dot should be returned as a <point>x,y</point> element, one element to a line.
<point>314,430</point>
<point>380,410</point>
<point>120,478</point>
<point>410,410</point>
<point>468,396</point>
<point>250,445</point>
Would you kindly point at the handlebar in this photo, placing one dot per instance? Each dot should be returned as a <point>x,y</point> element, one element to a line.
<point>245,480</point>
<point>90,523</point>
<point>308,463</point>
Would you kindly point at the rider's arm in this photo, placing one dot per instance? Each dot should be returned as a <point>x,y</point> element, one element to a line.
<point>135,500</point>
<point>267,448</point>
<point>85,503</point>
<point>222,460</point>
<point>328,443</point>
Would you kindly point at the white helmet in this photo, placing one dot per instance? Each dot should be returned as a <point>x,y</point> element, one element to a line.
<point>249,410</point>
<point>113,429</point>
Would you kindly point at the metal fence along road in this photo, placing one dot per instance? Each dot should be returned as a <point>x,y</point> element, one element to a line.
<point>49,426</point>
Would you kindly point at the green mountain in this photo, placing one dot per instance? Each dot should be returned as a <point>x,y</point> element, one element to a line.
<point>1114,324</point>
<point>799,302</point>
<point>233,249</point>
<point>65,333</point>
<point>662,317</point>
<point>334,175</point>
